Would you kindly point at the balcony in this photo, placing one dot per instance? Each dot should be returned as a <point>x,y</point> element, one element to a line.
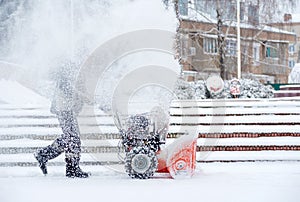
<point>273,69</point>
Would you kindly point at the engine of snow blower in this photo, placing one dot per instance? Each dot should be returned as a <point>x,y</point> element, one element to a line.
<point>142,136</point>
<point>141,141</point>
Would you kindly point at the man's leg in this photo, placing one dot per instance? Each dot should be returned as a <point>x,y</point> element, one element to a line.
<point>72,138</point>
<point>50,152</point>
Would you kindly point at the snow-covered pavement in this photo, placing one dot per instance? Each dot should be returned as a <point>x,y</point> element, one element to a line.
<point>215,182</point>
<point>276,181</point>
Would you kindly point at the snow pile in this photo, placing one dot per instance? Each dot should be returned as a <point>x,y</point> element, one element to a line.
<point>14,93</point>
<point>198,90</point>
<point>294,76</point>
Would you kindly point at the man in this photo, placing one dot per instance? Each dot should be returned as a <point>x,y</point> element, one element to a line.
<point>66,105</point>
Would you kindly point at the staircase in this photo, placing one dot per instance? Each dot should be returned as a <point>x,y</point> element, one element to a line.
<point>229,131</point>
<point>288,91</point>
<point>24,129</point>
<point>240,130</point>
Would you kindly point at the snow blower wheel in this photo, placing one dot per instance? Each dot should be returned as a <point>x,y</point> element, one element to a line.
<point>141,162</point>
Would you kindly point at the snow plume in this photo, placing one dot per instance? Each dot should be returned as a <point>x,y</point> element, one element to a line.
<point>198,90</point>
<point>42,35</point>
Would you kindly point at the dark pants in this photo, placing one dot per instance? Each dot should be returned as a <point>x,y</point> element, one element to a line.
<point>69,142</point>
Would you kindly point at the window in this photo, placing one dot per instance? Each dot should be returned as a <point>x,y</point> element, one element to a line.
<point>199,5</point>
<point>184,44</point>
<point>231,47</point>
<point>256,52</point>
<point>230,10</point>
<point>210,45</point>
<point>183,7</point>
<point>291,63</point>
<point>192,51</point>
<point>208,9</point>
<point>291,48</point>
<point>253,14</point>
<point>271,52</point>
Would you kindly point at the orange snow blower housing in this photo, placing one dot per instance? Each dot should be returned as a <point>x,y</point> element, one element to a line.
<point>179,157</point>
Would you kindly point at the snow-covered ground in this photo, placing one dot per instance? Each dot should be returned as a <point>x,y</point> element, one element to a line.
<point>216,182</point>
<point>13,92</point>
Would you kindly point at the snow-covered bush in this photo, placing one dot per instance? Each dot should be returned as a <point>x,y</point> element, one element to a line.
<point>255,89</point>
<point>184,90</point>
<point>198,90</point>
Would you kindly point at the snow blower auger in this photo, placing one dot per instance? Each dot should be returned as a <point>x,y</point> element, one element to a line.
<point>141,146</point>
<point>142,140</point>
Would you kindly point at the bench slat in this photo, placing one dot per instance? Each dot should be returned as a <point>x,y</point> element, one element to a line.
<point>248,141</point>
<point>233,111</point>
<point>275,119</point>
<point>235,129</point>
<point>275,102</point>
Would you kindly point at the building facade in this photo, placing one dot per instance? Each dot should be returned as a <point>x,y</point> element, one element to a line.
<point>291,23</point>
<point>265,50</point>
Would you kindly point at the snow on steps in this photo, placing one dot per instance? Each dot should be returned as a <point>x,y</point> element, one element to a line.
<point>229,131</point>
<point>24,129</point>
<point>236,116</point>
<point>240,129</point>
<point>288,91</point>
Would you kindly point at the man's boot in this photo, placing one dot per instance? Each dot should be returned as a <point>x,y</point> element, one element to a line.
<point>47,153</point>
<point>73,169</point>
